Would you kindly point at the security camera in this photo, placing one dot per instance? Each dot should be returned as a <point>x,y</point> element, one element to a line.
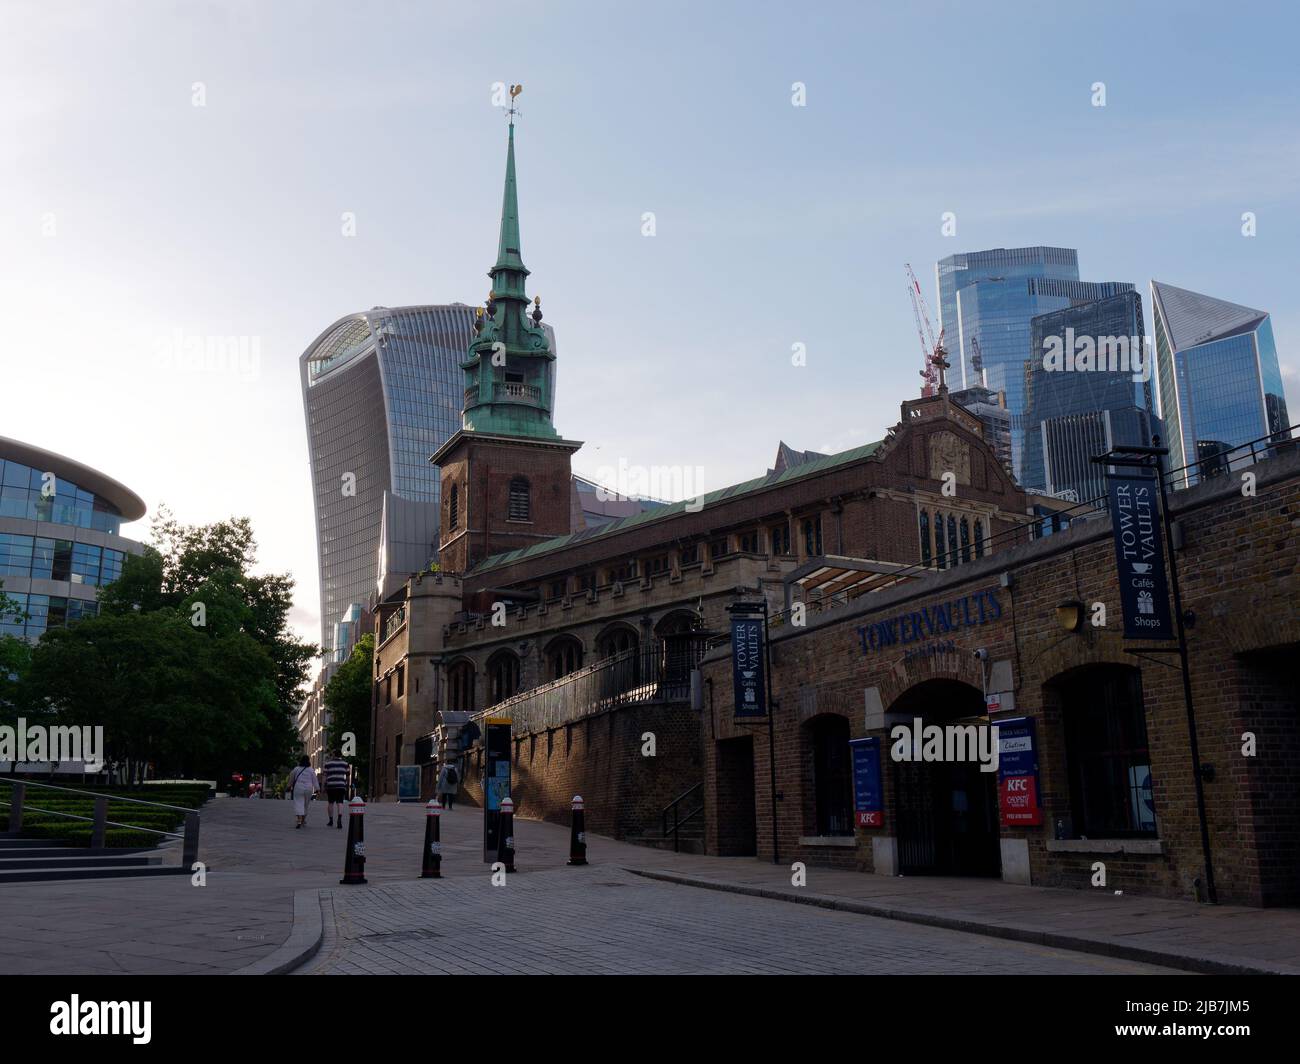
<point>981,654</point>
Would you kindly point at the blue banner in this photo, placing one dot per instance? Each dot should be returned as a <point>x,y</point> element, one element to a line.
<point>747,666</point>
<point>1140,557</point>
<point>868,801</point>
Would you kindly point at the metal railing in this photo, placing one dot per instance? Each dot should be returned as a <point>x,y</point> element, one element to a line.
<point>675,808</point>
<point>99,821</point>
<point>657,672</point>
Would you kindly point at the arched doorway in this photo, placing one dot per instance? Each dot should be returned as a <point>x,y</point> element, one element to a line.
<point>947,810</point>
<point>832,775</point>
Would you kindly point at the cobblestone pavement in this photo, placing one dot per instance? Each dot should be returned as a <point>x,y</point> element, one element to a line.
<point>608,921</point>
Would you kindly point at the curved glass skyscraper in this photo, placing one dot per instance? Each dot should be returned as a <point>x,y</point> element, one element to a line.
<point>1220,382</point>
<point>381,391</point>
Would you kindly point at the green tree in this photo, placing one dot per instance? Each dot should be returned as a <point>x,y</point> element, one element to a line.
<point>347,700</point>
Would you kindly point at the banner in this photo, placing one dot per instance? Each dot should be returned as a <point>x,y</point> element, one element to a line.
<point>1018,773</point>
<point>1140,557</point>
<point>868,805</point>
<point>747,666</point>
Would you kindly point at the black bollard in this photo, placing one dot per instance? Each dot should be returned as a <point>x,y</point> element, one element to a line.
<point>432,868</point>
<point>354,864</point>
<point>506,843</point>
<point>578,834</point>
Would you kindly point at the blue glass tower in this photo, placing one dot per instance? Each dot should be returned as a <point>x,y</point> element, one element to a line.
<point>1220,383</point>
<point>987,300</point>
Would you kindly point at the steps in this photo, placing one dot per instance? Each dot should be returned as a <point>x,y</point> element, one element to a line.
<point>27,860</point>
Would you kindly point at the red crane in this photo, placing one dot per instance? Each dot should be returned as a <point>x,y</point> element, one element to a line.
<point>933,352</point>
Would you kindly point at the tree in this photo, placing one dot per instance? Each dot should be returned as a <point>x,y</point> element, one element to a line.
<point>15,660</point>
<point>347,700</point>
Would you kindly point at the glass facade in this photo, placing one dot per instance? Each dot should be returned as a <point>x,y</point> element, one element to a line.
<point>37,496</point>
<point>36,613</point>
<point>382,391</point>
<point>1072,414</point>
<point>990,298</point>
<point>1220,383</point>
<point>59,559</point>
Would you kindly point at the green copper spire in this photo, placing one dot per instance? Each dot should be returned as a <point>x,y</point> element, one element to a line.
<point>508,247</point>
<point>509,368</point>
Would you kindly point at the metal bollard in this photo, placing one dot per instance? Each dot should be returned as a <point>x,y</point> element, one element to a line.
<point>354,863</point>
<point>578,833</point>
<point>431,868</point>
<point>506,838</point>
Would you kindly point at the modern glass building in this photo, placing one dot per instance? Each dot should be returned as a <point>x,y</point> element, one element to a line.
<point>1076,410</point>
<point>1220,384</point>
<point>60,541</point>
<point>987,300</point>
<point>382,391</point>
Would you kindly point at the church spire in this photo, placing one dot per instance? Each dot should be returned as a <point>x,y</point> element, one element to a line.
<point>508,246</point>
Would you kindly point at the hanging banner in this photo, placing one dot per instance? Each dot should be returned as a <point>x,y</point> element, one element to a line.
<point>747,666</point>
<point>868,804</point>
<point>1018,773</point>
<point>1140,557</point>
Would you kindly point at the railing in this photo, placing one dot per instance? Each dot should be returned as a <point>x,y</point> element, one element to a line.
<point>675,808</point>
<point>657,672</point>
<point>508,390</point>
<point>100,822</point>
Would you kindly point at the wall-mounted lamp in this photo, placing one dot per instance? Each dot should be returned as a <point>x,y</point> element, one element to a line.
<point>1070,615</point>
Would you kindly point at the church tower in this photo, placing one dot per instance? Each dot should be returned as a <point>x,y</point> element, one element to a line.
<point>506,473</point>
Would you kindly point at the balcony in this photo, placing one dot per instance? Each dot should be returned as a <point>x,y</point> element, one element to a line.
<point>507,392</point>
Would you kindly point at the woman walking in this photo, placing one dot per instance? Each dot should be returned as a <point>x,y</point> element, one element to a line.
<point>303,785</point>
<point>448,785</point>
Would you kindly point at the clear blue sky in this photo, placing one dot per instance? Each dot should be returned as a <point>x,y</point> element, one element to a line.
<point>776,225</point>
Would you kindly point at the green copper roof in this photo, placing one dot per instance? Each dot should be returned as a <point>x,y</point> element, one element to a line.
<point>662,513</point>
<point>508,247</point>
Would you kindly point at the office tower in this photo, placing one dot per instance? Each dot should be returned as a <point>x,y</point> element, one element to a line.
<point>60,537</point>
<point>1090,401</point>
<point>1220,382</point>
<point>381,392</point>
<point>986,302</point>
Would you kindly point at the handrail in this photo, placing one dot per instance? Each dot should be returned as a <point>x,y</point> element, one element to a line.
<point>91,820</point>
<point>100,794</point>
<point>678,819</point>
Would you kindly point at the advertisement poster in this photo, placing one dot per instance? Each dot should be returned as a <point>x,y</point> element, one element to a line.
<point>868,804</point>
<point>1018,774</point>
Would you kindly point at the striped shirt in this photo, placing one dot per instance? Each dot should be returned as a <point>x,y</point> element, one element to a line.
<point>336,774</point>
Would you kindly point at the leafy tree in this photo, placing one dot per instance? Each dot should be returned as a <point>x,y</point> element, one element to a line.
<point>15,659</point>
<point>347,699</point>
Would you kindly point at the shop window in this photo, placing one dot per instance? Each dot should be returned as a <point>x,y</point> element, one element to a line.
<point>832,775</point>
<point>1106,753</point>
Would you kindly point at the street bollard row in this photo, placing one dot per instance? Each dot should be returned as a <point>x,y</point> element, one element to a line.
<point>354,861</point>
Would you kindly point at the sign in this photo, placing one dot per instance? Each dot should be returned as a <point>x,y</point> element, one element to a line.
<point>747,662</point>
<point>868,804</point>
<point>1140,557</point>
<point>408,783</point>
<point>932,621</point>
<point>496,780</point>
<point>1018,773</point>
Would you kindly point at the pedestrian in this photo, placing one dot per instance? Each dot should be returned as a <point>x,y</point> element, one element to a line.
<point>336,786</point>
<point>448,785</point>
<point>303,786</point>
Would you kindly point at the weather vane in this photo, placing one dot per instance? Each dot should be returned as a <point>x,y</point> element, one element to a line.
<point>515,90</point>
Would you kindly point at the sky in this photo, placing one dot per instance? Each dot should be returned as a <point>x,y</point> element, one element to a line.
<point>180,171</point>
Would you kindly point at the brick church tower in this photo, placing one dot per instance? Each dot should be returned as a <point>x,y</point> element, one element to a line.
<point>506,472</point>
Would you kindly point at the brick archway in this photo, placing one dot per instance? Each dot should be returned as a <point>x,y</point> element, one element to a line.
<point>959,665</point>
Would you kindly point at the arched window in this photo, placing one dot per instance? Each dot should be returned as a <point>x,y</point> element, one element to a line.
<point>979,537</point>
<point>563,656</point>
<point>460,686</point>
<point>832,775</point>
<point>952,540</point>
<point>925,537</point>
<point>939,547</point>
<point>453,507</point>
<point>965,540</point>
<point>520,500</point>
<point>616,641</point>
<point>812,536</point>
<point>503,676</point>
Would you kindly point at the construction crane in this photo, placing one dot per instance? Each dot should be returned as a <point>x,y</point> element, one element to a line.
<point>933,352</point>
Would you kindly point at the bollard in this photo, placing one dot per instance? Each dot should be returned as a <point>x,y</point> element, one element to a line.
<point>432,867</point>
<point>506,843</point>
<point>354,864</point>
<point>578,834</point>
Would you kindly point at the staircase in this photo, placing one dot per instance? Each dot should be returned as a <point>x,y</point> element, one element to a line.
<point>681,825</point>
<point>24,860</point>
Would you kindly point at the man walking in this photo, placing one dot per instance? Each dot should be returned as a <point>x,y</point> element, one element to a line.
<point>336,786</point>
<point>448,785</point>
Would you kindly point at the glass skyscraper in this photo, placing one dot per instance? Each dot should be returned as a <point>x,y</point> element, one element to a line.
<point>1220,383</point>
<point>1072,413</point>
<point>381,391</point>
<point>986,302</point>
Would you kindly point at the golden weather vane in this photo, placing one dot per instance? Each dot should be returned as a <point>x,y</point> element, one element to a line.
<point>515,90</point>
